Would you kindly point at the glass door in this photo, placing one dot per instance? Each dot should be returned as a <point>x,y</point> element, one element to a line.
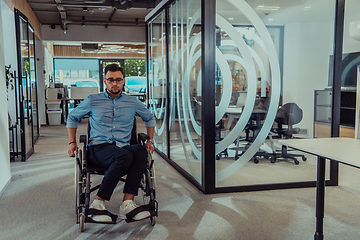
<point>33,85</point>
<point>24,86</point>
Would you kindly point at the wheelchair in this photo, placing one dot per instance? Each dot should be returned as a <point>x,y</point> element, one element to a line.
<point>83,187</point>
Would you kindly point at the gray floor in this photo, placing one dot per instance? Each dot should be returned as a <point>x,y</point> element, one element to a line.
<point>39,204</point>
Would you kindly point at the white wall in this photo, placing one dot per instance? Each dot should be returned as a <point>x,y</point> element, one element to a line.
<point>39,53</point>
<point>134,34</point>
<point>9,41</point>
<point>5,173</point>
<point>307,47</point>
<point>49,66</point>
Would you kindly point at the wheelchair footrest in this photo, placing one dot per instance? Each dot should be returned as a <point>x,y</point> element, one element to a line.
<point>148,207</point>
<point>101,212</point>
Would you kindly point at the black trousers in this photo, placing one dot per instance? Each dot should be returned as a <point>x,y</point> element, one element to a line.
<point>130,160</point>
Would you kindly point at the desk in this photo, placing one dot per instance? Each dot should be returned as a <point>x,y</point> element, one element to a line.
<point>65,107</point>
<point>234,112</point>
<point>342,150</point>
<point>140,95</point>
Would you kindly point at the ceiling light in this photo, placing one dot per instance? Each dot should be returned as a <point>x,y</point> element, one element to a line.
<point>102,9</point>
<point>268,8</point>
<point>231,18</point>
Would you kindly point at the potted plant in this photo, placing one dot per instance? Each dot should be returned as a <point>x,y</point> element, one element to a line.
<point>9,83</point>
<point>9,77</point>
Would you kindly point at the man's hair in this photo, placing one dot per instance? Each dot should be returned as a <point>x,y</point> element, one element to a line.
<point>114,68</point>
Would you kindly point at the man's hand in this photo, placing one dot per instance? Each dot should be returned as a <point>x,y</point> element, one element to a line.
<point>73,148</point>
<point>150,146</point>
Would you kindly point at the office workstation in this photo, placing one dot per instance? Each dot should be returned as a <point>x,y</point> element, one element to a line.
<point>217,110</point>
<point>340,150</point>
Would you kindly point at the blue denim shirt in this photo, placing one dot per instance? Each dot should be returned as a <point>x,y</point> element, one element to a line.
<point>111,120</point>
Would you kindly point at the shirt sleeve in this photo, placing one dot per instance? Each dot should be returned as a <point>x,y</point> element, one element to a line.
<point>78,113</point>
<point>145,114</point>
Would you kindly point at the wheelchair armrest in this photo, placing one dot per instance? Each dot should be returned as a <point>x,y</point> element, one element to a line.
<point>143,137</point>
<point>83,139</point>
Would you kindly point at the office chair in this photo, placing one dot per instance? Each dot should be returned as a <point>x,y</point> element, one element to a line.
<point>289,114</point>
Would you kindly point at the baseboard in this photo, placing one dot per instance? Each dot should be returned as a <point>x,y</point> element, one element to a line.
<point>6,185</point>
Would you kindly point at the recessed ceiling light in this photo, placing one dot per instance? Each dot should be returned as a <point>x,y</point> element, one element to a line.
<point>102,9</point>
<point>269,8</point>
<point>231,18</point>
<point>270,19</point>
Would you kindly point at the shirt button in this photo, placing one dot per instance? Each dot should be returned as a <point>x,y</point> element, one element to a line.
<point>114,126</point>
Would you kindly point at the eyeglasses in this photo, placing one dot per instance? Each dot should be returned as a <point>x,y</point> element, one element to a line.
<point>116,80</point>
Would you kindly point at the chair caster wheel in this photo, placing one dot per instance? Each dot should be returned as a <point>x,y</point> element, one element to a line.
<point>272,159</point>
<point>256,161</point>
<point>296,162</point>
<point>217,157</point>
<point>236,158</point>
<point>304,158</point>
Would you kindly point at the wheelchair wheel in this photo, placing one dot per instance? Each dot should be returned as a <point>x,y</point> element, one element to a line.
<point>78,184</point>
<point>148,191</point>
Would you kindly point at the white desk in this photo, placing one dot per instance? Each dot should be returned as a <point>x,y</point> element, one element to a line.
<point>343,150</point>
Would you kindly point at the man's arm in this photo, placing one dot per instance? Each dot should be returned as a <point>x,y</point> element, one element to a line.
<point>72,123</point>
<point>73,148</point>
<point>150,144</point>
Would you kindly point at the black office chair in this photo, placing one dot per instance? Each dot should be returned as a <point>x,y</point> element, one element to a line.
<point>289,115</point>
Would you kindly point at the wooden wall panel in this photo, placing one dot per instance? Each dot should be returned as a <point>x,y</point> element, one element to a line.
<point>75,51</point>
<point>25,8</point>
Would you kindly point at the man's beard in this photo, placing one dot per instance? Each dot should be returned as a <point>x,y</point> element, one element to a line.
<point>113,92</point>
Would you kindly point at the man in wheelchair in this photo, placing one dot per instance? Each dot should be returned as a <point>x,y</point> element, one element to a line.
<point>111,118</point>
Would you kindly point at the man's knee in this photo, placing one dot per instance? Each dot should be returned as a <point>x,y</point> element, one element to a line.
<point>141,150</point>
<point>125,158</point>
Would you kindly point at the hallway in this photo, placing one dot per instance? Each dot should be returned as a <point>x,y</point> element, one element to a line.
<point>39,204</point>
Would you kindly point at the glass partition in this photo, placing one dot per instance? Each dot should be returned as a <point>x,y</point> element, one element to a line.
<point>78,72</point>
<point>24,84</point>
<point>33,92</point>
<point>157,79</point>
<point>273,80</point>
<point>350,77</point>
<point>265,61</point>
<point>185,85</point>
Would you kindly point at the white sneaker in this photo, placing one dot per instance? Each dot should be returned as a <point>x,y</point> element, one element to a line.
<point>99,205</point>
<point>129,205</point>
